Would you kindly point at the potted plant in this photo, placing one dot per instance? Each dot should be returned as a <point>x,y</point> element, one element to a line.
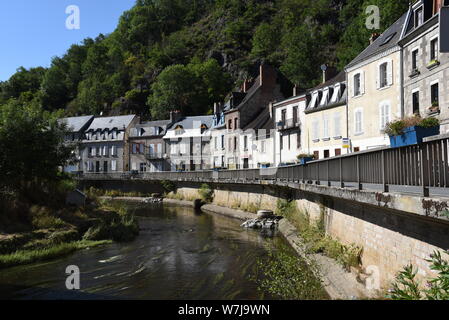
<point>411,130</point>
<point>304,158</point>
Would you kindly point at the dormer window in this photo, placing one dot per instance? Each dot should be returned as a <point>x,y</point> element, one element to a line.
<point>325,96</point>
<point>314,100</point>
<point>336,94</point>
<point>179,130</point>
<point>203,128</point>
<point>419,16</point>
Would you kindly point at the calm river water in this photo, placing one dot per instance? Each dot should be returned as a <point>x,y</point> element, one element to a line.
<point>179,254</point>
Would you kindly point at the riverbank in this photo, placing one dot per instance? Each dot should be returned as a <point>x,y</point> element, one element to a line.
<point>337,282</point>
<point>51,233</point>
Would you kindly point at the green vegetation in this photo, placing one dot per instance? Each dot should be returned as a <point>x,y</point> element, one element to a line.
<point>185,54</point>
<point>169,186</point>
<point>285,276</point>
<point>407,287</point>
<point>206,193</point>
<point>316,239</point>
<point>396,128</point>
<point>28,256</point>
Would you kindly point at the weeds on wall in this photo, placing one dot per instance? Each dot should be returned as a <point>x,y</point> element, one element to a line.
<point>406,287</point>
<point>315,237</point>
<point>206,193</point>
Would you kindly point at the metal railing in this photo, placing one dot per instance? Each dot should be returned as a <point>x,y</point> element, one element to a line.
<point>420,169</point>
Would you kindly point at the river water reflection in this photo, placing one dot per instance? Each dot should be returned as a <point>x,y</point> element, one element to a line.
<point>179,254</point>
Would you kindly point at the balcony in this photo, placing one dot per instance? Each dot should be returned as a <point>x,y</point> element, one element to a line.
<point>287,125</point>
<point>156,156</point>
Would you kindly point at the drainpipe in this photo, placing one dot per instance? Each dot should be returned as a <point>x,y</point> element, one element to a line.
<point>401,63</point>
<point>347,111</point>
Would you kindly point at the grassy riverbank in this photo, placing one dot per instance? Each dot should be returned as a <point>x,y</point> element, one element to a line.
<point>31,233</point>
<point>21,257</point>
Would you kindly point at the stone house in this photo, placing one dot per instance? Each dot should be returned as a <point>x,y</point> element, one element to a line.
<point>245,106</point>
<point>325,119</point>
<point>189,143</point>
<point>148,150</point>
<point>426,63</point>
<point>375,89</point>
<point>105,145</point>
<point>76,126</point>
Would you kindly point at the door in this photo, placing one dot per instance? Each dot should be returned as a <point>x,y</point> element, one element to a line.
<point>245,163</point>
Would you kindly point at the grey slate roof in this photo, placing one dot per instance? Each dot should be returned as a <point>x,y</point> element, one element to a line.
<point>188,122</point>
<point>380,44</point>
<point>111,122</point>
<point>76,124</point>
<point>147,126</point>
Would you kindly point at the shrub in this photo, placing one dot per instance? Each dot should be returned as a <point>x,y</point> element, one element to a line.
<point>206,193</point>
<point>397,127</point>
<point>168,186</point>
<point>407,287</point>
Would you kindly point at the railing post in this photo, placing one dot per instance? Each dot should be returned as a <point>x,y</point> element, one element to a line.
<point>359,184</point>
<point>384,173</point>
<point>424,169</point>
<point>342,184</point>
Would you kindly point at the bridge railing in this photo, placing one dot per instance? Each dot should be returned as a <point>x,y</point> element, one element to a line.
<point>417,169</point>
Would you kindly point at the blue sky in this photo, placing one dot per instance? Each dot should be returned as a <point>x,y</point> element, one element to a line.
<point>34,31</point>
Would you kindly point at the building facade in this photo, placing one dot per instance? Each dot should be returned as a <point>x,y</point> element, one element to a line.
<point>105,145</point>
<point>76,126</point>
<point>426,67</point>
<point>148,150</point>
<point>374,81</point>
<point>189,143</point>
<point>289,119</point>
<point>326,120</point>
<point>270,85</point>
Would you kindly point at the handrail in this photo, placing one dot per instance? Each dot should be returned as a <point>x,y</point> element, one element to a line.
<point>414,168</point>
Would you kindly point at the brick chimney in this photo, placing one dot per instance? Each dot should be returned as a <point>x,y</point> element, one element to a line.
<point>374,37</point>
<point>267,75</point>
<point>175,115</point>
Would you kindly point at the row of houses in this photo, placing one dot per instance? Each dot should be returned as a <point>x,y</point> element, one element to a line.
<point>267,121</point>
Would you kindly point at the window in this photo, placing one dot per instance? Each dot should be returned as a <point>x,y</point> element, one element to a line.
<point>98,151</point>
<point>113,151</point>
<point>282,142</point>
<point>415,102</point>
<point>415,60</point>
<point>245,143</point>
<point>222,142</point>
<point>384,115</point>
<point>358,123</point>
<point>418,17</point>
<point>434,93</point>
<point>230,124</point>
<point>315,130</point>
<point>434,49</point>
<point>356,149</point>
<point>337,125</point>
<point>143,167</point>
<point>284,117</point>
<point>298,140</point>
<point>357,85</point>
<point>114,165</point>
<point>295,115</point>
<point>230,144</point>
<point>105,151</point>
<point>289,141</point>
<point>383,76</point>
<point>326,154</point>
<point>262,146</point>
<point>236,123</point>
<point>325,127</point>
<point>316,155</point>
<point>216,143</point>
<point>337,152</point>
<point>235,143</point>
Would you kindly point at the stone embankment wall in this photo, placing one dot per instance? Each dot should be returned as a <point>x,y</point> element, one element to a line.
<point>390,238</point>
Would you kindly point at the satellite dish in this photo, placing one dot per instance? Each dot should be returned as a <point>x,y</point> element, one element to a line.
<point>323,67</point>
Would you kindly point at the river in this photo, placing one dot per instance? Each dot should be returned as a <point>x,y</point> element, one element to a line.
<point>179,254</point>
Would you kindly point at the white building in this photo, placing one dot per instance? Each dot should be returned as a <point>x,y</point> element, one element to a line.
<point>289,125</point>
<point>189,143</point>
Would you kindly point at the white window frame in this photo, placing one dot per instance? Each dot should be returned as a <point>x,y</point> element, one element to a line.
<point>326,134</point>
<point>362,84</point>
<point>337,124</point>
<point>384,117</point>
<point>356,111</point>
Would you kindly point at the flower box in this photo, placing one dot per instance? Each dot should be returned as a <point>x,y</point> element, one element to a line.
<point>413,135</point>
<point>432,64</point>
<point>303,161</point>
